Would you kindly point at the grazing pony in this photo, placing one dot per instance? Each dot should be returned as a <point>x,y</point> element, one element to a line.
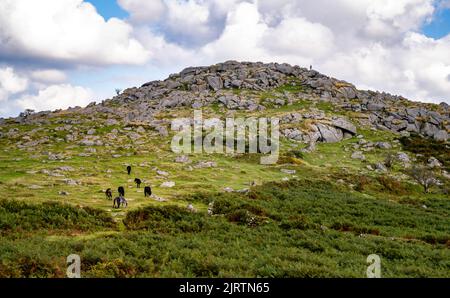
<point>120,201</point>
<point>138,182</point>
<point>147,191</point>
<point>129,170</point>
<point>108,194</point>
<point>121,191</point>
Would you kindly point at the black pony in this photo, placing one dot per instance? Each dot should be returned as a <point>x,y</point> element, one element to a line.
<point>147,191</point>
<point>121,191</point>
<point>138,182</point>
<point>120,201</point>
<point>108,194</point>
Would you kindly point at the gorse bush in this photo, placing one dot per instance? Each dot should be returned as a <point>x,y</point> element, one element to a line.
<point>392,185</point>
<point>289,229</point>
<point>426,148</point>
<point>16,215</point>
<point>167,219</point>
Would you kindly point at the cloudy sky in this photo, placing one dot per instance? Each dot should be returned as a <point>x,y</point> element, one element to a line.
<point>61,53</point>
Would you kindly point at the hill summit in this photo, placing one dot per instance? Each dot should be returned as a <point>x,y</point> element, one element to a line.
<point>253,87</point>
<point>358,173</point>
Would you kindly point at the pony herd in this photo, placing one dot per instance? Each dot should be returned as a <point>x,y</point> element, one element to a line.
<point>120,200</point>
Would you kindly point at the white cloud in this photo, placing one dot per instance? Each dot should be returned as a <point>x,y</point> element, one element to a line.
<point>70,31</point>
<point>11,83</point>
<point>143,10</point>
<point>190,23</point>
<point>48,76</point>
<point>297,36</point>
<point>56,97</point>
<point>374,44</point>
<point>241,37</point>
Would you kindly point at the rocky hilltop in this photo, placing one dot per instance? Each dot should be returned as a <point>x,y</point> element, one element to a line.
<point>358,172</point>
<point>257,86</point>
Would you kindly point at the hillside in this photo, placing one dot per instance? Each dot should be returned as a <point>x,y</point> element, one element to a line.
<point>343,187</point>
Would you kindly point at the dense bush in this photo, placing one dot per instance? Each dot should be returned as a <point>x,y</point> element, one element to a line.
<point>307,229</point>
<point>16,215</point>
<point>426,148</point>
<point>166,219</point>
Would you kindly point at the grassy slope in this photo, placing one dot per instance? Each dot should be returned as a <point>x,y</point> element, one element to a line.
<point>307,228</point>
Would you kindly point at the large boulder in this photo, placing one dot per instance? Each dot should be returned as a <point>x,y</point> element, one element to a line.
<point>330,134</point>
<point>215,83</point>
<point>429,129</point>
<point>374,107</point>
<point>441,135</point>
<point>344,125</point>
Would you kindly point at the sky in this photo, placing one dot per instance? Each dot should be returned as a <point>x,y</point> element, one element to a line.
<point>62,53</point>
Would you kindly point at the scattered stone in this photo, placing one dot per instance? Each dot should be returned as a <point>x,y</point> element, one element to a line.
<point>111,122</point>
<point>71,182</point>
<point>140,129</point>
<point>35,187</point>
<point>383,145</point>
<point>380,167</point>
<point>403,157</point>
<point>182,159</point>
<point>168,184</point>
<point>358,155</point>
<point>289,172</point>
<point>65,169</point>
<point>191,208</point>
<point>228,189</point>
<point>434,163</point>
<point>163,132</point>
<point>162,173</point>
<point>205,164</point>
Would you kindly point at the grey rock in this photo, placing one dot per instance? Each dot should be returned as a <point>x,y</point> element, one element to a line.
<point>440,136</point>
<point>429,129</point>
<point>162,173</point>
<point>140,129</point>
<point>380,167</point>
<point>383,145</point>
<point>182,159</point>
<point>215,83</point>
<point>434,163</point>
<point>162,130</point>
<point>111,122</point>
<point>345,125</point>
<point>289,172</point>
<point>403,157</point>
<point>330,134</point>
<point>168,184</point>
<point>373,107</point>
<point>205,164</point>
<point>358,155</point>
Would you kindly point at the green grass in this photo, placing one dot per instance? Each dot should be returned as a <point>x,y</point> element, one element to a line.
<point>324,222</point>
<point>295,229</point>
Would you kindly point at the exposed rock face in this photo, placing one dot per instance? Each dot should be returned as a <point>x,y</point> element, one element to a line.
<point>197,87</point>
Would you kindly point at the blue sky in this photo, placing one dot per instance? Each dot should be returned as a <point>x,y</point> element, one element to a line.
<point>440,26</point>
<point>74,57</point>
<point>109,8</point>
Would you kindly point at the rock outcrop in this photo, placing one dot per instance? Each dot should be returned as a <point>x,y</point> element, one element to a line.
<point>221,84</point>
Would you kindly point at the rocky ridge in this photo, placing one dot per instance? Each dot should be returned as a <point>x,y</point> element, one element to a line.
<point>238,86</point>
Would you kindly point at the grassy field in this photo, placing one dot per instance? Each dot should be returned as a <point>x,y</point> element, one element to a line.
<point>322,221</point>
